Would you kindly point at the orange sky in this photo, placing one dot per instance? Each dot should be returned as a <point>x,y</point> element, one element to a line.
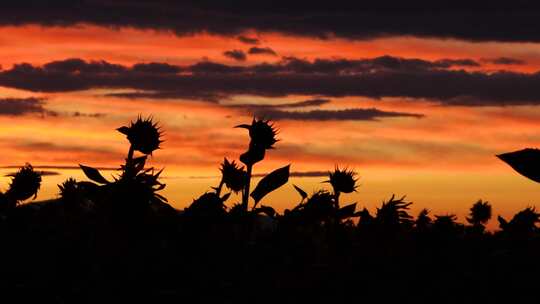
<point>444,161</point>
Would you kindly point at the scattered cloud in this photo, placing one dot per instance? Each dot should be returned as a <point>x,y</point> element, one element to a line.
<point>92,115</point>
<point>261,51</point>
<point>24,106</point>
<point>237,55</point>
<point>248,40</point>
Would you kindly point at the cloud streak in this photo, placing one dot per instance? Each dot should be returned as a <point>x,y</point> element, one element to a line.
<point>261,51</point>
<point>327,115</point>
<point>237,55</point>
<point>299,104</point>
<point>23,106</point>
<point>374,78</point>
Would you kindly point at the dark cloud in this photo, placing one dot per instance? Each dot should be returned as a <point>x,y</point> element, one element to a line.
<point>261,51</point>
<point>76,65</point>
<point>23,106</point>
<point>475,21</point>
<point>156,68</point>
<point>291,174</point>
<point>248,40</point>
<point>299,104</point>
<point>323,115</point>
<point>332,66</point>
<point>42,172</point>
<point>504,61</point>
<point>93,115</point>
<point>213,97</point>
<point>300,174</point>
<point>375,78</point>
<point>237,55</point>
<point>208,67</point>
<point>448,63</point>
<point>57,167</point>
<point>43,146</point>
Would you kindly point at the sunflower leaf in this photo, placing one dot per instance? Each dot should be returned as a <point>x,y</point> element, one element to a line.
<point>225,197</point>
<point>301,192</point>
<point>123,130</point>
<point>269,211</point>
<point>93,174</point>
<point>526,162</point>
<point>347,211</point>
<point>271,182</point>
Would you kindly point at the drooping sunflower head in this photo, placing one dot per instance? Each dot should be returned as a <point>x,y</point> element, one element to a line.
<point>25,183</point>
<point>343,180</point>
<point>144,135</point>
<point>234,176</point>
<point>262,133</point>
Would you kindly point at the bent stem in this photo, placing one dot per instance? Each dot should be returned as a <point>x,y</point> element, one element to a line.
<point>129,160</point>
<point>336,198</point>
<point>245,196</point>
<point>218,190</point>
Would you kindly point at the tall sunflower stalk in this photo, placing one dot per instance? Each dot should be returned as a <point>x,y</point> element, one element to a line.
<point>262,137</point>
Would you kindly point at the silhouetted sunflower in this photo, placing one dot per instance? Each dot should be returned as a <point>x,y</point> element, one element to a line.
<point>68,189</point>
<point>234,177</point>
<point>343,180</point>
<point>253,155</point>
<point>25,183</point>
<point>262,133</point>
<point>144,135</point>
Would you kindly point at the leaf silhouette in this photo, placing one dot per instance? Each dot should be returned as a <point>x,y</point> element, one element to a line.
<point>526,162</point>
<point>271,182</point>
<point>301,192</point>
<point>138,163</point>
<point>226,196</point>
<point>269,211</point>
<point>347,211</point>
<point>93,174</point>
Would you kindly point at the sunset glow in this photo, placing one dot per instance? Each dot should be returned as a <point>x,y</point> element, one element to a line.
<point>438,150</point>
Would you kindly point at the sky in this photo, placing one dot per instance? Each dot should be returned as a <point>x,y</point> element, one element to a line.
<point>417,100</point>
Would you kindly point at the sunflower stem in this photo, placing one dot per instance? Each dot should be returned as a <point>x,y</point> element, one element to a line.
<point>336,198</point>
<point>245,196</point>
<point>218,190</point>
<point>129,160</point>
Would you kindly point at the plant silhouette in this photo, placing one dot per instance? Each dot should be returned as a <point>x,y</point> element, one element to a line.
<point>522,224</point>
<point>526,162</point>
<point>479,215</point>
<point>25,183</point>
<point>262,137</point>
<point>135,189</point>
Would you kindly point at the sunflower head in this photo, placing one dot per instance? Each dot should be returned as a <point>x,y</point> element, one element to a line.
<point>253,155</point>
<point>234,176</point>
<point>69,189</point>
<point>320,205</point>
<point>25,183</point>
<point>144,135</point>
<point>262,133</point>
<point>343,180</point>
